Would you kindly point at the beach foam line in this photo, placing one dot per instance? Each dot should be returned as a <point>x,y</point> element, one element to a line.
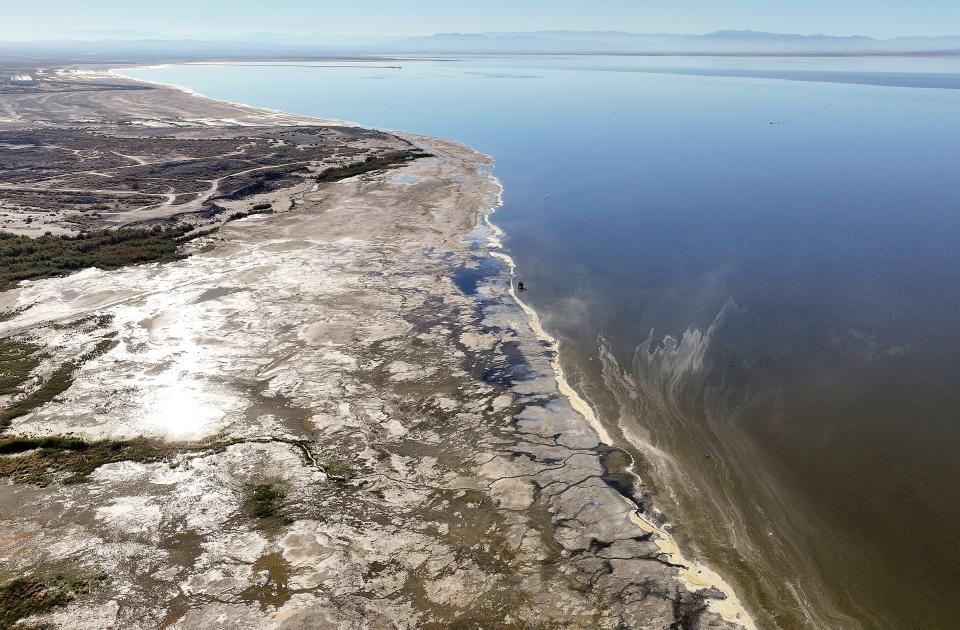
<point>695,576</point>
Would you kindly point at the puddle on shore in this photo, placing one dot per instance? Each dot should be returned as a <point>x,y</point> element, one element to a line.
<point>479,268</point>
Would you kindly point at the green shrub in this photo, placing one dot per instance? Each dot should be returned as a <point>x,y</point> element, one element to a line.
<point>37,594</point>
<point>265,500</point>
<point>25,258</point>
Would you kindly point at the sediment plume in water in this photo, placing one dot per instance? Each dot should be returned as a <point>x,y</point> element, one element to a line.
<point>734,504</point>
<point>696,576</point>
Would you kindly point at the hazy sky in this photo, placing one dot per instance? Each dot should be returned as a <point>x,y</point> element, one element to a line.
<point>882,18</point>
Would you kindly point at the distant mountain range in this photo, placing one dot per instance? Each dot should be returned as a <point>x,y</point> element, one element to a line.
<point>100,43</point>
<point>726,42</point>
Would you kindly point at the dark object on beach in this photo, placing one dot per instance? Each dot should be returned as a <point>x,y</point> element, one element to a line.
<point>519,287</point>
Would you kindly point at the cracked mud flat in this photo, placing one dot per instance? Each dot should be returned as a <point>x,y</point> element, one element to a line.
<point>363,355</point>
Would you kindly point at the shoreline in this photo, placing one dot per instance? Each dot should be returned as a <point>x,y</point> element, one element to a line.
<point>695,575</point>
<point>504,471</point>
<point>118,73</point>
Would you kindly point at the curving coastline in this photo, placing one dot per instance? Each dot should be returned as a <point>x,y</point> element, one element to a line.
<point>257,111</point>
<point>539,533</point>
<point>696,575</point>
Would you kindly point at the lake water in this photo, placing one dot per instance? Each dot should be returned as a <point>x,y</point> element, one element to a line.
<point>754,269</point>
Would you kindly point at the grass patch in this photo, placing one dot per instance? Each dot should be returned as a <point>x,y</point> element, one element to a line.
<point>370,164</point>
<point>265,501</point>
<point>24,597</point>
<point>260,208</point>
<point>94,321</point>
<point>17,360</point>
<point>25,258</point>
<point>42,461</point>
<point>8,315</point>
<point>59,382</point>
<point>16,445</point>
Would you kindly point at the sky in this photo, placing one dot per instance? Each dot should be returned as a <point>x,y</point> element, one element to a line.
<point>879,18</point>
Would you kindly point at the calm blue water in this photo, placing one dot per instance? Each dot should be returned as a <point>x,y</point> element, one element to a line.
<point>754,265</point>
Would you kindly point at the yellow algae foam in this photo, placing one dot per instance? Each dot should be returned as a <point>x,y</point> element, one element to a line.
<point>695,576</point>
<point>576,401</point>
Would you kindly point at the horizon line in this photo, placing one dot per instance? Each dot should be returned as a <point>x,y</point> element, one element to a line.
<point>140,35</point>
